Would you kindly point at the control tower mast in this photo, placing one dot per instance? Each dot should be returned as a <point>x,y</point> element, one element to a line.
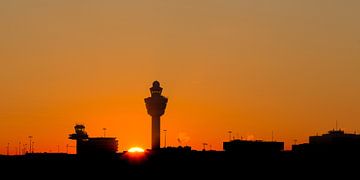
<point>155,106</point>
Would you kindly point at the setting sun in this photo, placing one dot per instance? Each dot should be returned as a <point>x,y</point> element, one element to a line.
<point>136,150</point>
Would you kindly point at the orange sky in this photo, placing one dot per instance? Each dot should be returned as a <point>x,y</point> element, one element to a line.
<point>253,67</point>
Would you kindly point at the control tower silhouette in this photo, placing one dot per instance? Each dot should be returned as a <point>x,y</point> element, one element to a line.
<point>155,106</point>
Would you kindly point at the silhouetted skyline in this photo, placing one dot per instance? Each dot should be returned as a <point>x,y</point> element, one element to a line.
<point>336,142</point>
<point>100,156</point>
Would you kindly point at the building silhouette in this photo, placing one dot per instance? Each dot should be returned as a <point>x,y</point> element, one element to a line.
<point>179,149</point>
<point>155,106</point>
<point>335,143</point>
<point>253,147</point>
<point>96,146</point>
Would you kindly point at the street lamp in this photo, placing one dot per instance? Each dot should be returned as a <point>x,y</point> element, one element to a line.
<point>204,145</point>
<point>32,147</point>
<point>30,138</point>
<point>67,148</point>
<point>19,148</point>
<point>7,148</point>
<point>24,148</point>
<point>104,131</point>
<point>165,137</point>
<point>229,135</point>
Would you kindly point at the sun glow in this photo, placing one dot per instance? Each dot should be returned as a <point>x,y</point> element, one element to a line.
<point>136,150</point>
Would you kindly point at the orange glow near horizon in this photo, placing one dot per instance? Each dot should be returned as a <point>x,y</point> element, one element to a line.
<point>135,155</point>
<point>281,70</point>
<point>136,150</point>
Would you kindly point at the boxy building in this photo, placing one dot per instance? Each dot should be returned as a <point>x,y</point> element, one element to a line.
<point>335,142</point>
<point>93,147</point>
<point>253,147</point>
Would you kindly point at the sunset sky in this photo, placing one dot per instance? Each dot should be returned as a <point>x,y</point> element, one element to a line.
<point>250,66</point>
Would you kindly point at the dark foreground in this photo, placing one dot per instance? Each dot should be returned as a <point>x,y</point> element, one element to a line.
<point>181,165</point>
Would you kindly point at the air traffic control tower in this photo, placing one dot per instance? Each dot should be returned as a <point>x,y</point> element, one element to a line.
<point>155,106</point>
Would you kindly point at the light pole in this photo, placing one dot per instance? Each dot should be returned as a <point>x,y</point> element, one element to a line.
<point>229,135</point>
<point>67,148</point>
<point>24,148</point>
<point>7,149</point>
<point>104,132</point>
<point>30,138</point>
<point>32,147</point>
<point>19,148</point>
<point>204,145</point>
<point>165,137</point>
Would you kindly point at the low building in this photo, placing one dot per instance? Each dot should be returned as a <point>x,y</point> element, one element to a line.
<point>335,142</point>
<point>253,147</point>
<point>97,146</point>
<point>335,137</point>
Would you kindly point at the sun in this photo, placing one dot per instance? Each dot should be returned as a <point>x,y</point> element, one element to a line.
<point>135,155</point>
<point>136,150</point>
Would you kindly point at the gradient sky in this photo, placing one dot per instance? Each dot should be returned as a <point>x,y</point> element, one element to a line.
<point>250,66</point>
